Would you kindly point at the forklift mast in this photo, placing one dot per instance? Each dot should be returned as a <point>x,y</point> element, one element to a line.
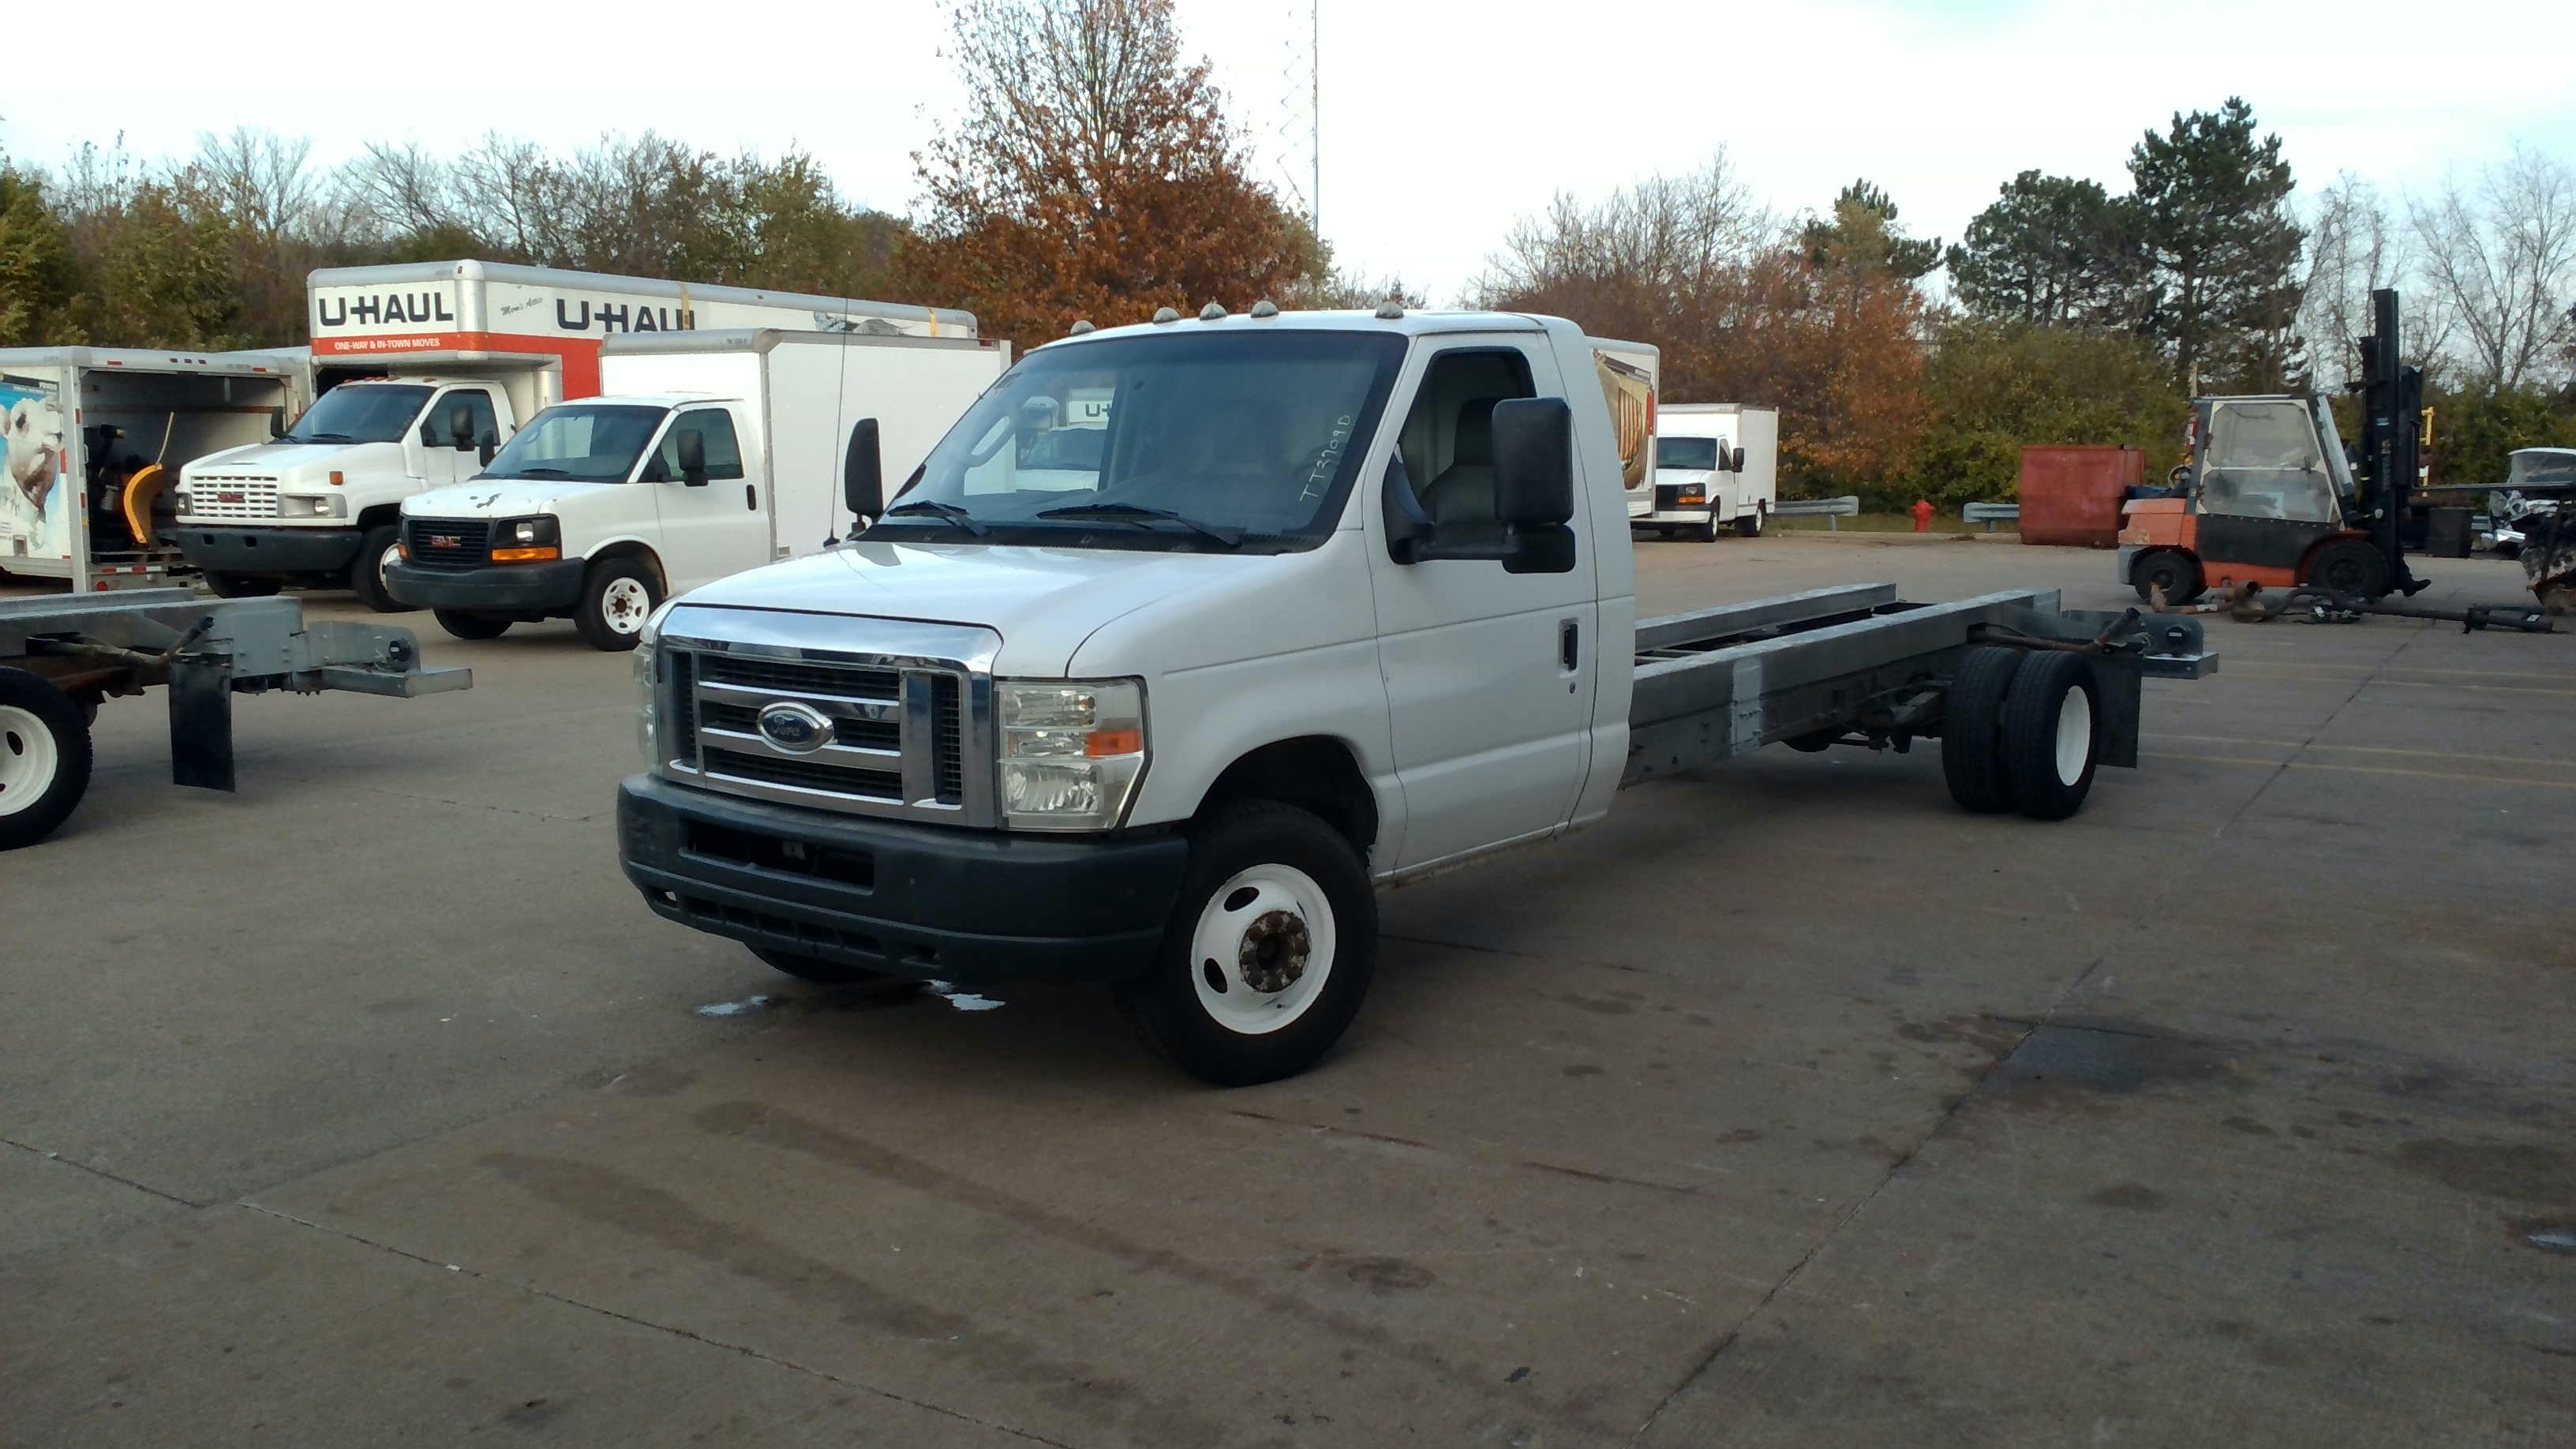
<point>2392,433</point>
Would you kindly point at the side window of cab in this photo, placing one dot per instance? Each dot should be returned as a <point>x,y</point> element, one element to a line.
<point>1448,439</point>
<point>724,452</point>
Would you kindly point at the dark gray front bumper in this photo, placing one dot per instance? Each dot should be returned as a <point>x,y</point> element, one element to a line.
<point>270,552</point>
<point>536,589</point>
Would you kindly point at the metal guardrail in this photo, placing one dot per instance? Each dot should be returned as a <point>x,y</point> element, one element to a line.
<point>1991,514</point>
<point>1828,509</point>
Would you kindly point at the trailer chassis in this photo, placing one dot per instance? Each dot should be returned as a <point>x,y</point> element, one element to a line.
<point>1856,665</point>
<point>84,649</point>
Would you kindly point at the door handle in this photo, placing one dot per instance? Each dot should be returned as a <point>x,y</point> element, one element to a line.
<point>751,497</point>
<point>1566,652</point>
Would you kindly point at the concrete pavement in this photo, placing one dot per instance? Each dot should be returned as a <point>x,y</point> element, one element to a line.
<point>1790,1105</point>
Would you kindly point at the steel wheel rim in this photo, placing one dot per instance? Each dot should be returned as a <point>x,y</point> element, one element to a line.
<point>1266,923</point>
<point>384,561</point>
<point>29,759</point>
<point>624,603</point>
<point>2074,735</point>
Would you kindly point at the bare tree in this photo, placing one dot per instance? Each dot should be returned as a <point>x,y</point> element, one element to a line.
<point>2502,254</point>
<point>2356,245</point>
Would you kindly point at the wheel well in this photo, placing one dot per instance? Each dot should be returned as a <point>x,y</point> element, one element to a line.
<point>629,548</point>
<point>1315,773</point>
<point>2151,550</point>
<point>382,515</point>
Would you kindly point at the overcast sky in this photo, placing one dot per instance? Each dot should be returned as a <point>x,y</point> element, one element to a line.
<point>1442,119</point>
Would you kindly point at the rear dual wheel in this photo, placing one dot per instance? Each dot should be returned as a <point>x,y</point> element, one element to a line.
<point>2021,732</point>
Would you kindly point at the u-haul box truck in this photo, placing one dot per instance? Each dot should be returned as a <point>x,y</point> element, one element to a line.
<point>423,371</point>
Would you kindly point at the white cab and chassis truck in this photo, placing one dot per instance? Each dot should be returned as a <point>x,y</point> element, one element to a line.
<point>1347,600</point>
<point>712,453</point>
<point>424,370</point>
<point>1717,465</point>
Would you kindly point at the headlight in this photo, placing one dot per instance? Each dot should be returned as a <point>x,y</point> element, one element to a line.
<point>1071,752</point>
<point>179,501</point>
<point>648,695</point>
<point>526,540</point>
<point>305,505</point>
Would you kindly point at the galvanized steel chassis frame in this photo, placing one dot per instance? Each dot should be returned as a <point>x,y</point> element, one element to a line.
<point>97,646</point>
<point>1856,664</point>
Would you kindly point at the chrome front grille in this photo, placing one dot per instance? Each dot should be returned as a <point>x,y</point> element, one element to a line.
<point>232,495</point>
<point>903,725</point>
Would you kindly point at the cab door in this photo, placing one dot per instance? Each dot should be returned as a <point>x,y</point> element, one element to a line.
<point>1489,675</point>
<point>713,525</point>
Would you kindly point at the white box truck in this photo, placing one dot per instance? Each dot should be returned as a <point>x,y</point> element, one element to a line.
<point>94,439</point>
<point>424,370</point>
<point>712,452</point>
<point>1344,600</point>
<point>1716,465</point>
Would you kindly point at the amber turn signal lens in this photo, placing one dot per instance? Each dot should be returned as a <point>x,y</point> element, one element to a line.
<point>526,555</point>
<point>1113,742</point>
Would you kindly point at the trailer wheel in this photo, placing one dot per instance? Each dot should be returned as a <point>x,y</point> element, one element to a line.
<point>44,758</point>
<point>367,572</point>
<point>240,586</point>
<point>2169,569</point>
<point>615,601</point>
<point>1972,728</point>
<point>1268,952</point>
<point>1749,525</point>
<point>471,626</point>
<point>2052,735</point>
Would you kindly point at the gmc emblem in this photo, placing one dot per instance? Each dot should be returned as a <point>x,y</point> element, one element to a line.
<point>446,540</point>
<point>234,497</point>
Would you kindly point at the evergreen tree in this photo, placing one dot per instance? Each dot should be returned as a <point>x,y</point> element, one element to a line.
<point>2055,250</point>
<point>1862,232</point>
<point>2215,229</point>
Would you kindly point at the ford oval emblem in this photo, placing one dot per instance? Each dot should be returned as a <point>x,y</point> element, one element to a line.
<point>799,729</point>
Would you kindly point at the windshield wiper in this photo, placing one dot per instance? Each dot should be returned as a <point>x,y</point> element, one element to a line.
<point>542,473</point>
<point>1139,514</point>
<point>944,512</point>
<point>318,438</point>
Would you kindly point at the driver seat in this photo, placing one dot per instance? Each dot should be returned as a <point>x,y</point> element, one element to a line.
<point>1463,493</point>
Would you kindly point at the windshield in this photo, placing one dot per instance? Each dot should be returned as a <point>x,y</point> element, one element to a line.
<point>593,443</point>
<point>361,414</point>
<point>1699,453</point>
<point>2536,468</point>
<point>1256,434</point>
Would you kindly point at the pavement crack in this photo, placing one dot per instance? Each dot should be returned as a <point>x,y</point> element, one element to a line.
<point>101,1172</point>
<point>2301,748</point>
<point>745,1350</point>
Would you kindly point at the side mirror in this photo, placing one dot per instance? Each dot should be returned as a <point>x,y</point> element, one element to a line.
<point>693,458</point>
<point>863,472</point>
<point>276,424</point>
<point>1737,459</point>
<point>460,429</point>
<point>1533,461</point>
<point>490,444</point>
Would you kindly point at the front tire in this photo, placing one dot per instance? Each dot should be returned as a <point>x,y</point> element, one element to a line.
<point>1268,952</point>
<point>463,625</point>
<point>2172,570</point>
<point>2349,567</point>
<point>240,586</point>
<point>379,548</point>
<point>2052,735</point>
<point>44,758</point>
<point>615,601</point>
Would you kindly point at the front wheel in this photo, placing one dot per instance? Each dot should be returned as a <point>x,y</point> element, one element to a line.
<point>240,586</point>
<point>1268,952</point>
<point>471,626</point>
<point>615,601</point>
<point>44,758</point>
<point>377,551</point>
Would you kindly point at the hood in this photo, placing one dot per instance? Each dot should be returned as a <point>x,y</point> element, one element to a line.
<point>1043,601</point>
<point>1672,476</point>
<point>285,459</point>
<point>504,498</point>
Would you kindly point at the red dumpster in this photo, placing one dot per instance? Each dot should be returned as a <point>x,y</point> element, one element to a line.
<point>2071,494</point>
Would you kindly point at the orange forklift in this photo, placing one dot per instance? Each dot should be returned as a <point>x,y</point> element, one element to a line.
<point>2271,497</point>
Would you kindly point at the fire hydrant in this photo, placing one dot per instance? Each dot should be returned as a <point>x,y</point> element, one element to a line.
<point>1922,511</point>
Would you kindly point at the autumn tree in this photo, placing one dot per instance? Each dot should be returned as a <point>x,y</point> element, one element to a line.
<point>1093,174</point>
<point>36,280</point>
<point>1992,386</point>
<point>2215,228</point>
<point>153,248</point>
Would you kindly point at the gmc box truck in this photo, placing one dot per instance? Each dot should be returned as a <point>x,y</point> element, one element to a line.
<point>1338,601</point>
